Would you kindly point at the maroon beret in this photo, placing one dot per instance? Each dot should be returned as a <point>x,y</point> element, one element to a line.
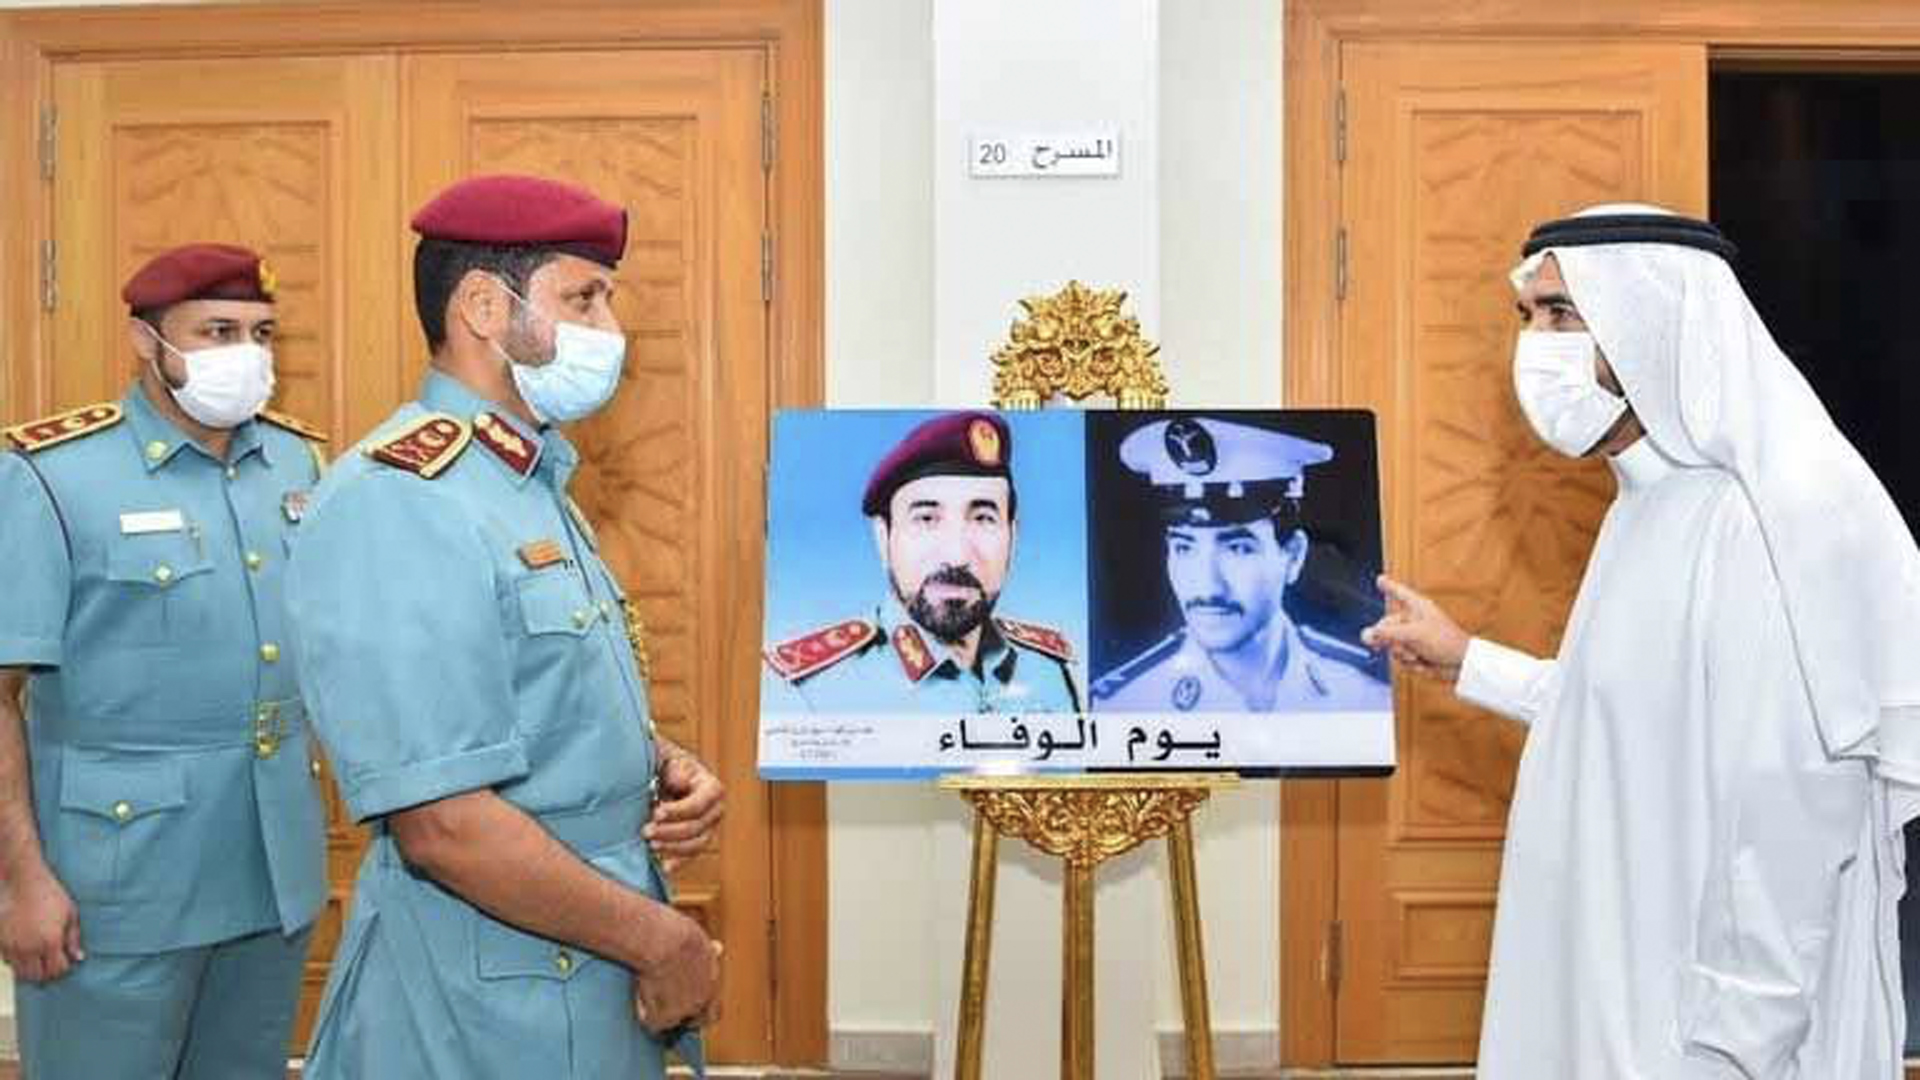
<point>199,272</point>
<point>952,444</point>
<point>526,211</point>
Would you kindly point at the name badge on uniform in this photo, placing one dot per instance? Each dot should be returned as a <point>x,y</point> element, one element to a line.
<point>152,521</point>
<point>541,554</point>
<point>293,505</point>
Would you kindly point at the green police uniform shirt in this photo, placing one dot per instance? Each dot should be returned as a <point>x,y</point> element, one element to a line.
<point>173,786</point>
<point>461,633</point>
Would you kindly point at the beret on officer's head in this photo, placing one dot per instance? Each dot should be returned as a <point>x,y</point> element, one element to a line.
<point>952,444</point>
<point>526,211</point>
<point>199,272</point>
<point>1206,471</point>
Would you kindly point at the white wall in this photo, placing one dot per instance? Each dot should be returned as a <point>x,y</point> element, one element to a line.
<point>1212,276</point>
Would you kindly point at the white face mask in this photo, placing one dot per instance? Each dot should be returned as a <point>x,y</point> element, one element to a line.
<point>581,377</point>
<point>1559,390</point>
<point>226,386</point>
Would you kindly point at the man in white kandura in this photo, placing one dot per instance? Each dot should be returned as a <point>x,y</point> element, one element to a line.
<point>1704,857</point>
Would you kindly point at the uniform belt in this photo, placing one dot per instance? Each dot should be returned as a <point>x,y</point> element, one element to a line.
<point>265,726</point>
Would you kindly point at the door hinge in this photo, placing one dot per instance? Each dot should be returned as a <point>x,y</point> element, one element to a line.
<point>49,140</point>
<point>766,267</point>
<point>766,132</point>
<point>1334,963</point>
<point>1340,264</point>
<point>1340,126</point>
<point>49,275</point>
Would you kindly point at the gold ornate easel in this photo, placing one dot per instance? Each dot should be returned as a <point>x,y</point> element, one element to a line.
<point>1077,343</point>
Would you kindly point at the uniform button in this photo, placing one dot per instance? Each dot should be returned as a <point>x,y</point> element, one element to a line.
<point>233,472</point>
<point>270,652</point>
<point>606,610</point>
<point>314,768</point>
<point>581,618</point>
<point>163,573</point>
<point>123,811</point>
<point>254,561</point>
<point>563,961</point>
<point>156,450</point>
<point>653,789</point>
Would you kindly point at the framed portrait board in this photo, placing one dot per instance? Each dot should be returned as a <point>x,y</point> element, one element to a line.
<point>1072,591</point>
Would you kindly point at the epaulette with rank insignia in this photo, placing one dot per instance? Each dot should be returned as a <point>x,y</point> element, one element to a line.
<point>36,435</point>
<point>1116,679</point>
<point>425,447</point>
<point>810,654</point>
<point>494,433</point>
<point>294,424</point>
<point>1041,639</point>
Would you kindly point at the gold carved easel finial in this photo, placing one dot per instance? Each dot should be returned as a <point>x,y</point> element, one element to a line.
<point>1078,342</point>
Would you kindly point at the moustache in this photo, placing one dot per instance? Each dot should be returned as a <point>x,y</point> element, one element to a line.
<point>958,576</point>
<point>1214,605</point>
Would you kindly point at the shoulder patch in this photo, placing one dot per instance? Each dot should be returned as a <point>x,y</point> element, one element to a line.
<point>494,433</point>
<point>36,435</point>
<point>810,654</point>
<point>294,424</point>
<point>1041,639</point>
<point>425,447</point>
<point>1117,679</point>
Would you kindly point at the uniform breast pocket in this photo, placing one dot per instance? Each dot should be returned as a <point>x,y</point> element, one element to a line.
<point>154,584</point>
<point>553,603</point>
<point>117,825</point>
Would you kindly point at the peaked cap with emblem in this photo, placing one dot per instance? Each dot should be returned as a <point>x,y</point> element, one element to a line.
<point>1206,471</point>
<point>199,272</point>
<point>951,444</point>
<point>526,211</point>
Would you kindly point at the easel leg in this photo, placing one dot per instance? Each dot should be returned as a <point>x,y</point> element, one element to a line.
<point>1193,961</point>
<point>1076,975</point>
<point>973,991</point>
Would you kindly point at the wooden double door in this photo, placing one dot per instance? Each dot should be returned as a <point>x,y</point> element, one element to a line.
<point>317,161</point>
<point>1452,152</point>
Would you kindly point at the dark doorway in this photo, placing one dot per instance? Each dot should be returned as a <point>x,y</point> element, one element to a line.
<point>1817,177</point>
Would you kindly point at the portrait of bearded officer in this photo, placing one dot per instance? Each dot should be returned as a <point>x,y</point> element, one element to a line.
<point>1230,500</point>
<point>943,514</point>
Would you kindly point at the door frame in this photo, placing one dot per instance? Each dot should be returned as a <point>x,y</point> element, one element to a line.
<point>1851,33</point>
<point>789,32</point>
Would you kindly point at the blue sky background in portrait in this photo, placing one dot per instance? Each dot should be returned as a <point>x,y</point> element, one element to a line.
<point>821,564</point>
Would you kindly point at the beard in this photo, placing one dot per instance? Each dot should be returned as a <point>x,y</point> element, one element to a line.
<point>949,621</point>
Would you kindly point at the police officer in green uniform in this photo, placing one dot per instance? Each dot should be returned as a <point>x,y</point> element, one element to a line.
<point>471,676</point>
<point>942,507</point>
<point>1229,498</point>
<point>161,830</point>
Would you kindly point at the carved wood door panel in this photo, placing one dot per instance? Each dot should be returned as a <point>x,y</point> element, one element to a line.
<point>671,470</point>
<point>1455,151</point>
<point>156,153</point>
<point>318,175</point>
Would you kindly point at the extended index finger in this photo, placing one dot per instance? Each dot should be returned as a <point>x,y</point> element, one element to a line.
<point>1397,593</point>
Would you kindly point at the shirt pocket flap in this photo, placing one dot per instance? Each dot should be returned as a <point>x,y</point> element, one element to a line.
<point>157,559</point>
<point>554,602</point>
<point>502,952</point>
<point>122,790</point>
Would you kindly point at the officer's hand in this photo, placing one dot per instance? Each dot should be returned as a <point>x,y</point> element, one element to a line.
<point>682,980</point>
<point>39,928</point>
<point>692,801</point>
<point>1419,636</point>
